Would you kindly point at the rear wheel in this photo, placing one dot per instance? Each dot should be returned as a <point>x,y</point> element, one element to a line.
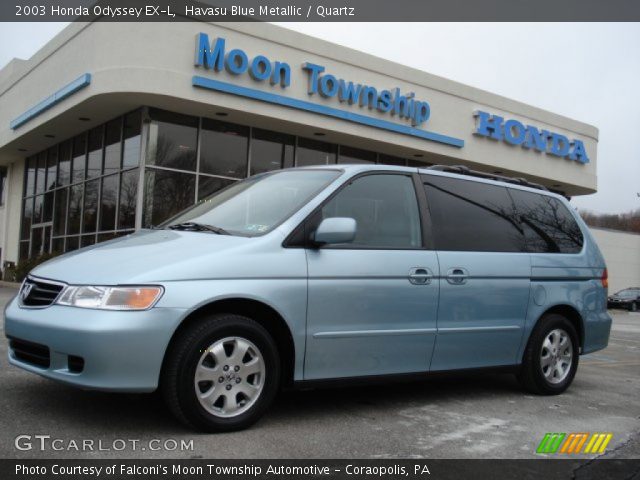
<point>551,357</point>
<point>221,373</point>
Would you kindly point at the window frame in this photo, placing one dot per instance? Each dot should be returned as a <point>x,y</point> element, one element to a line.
<point>300,235</point>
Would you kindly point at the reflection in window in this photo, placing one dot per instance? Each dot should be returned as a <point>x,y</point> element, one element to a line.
<point>90,212</point>
<point>472,216</point>
<point>391,160</point>
<point>27,215</point>
<point>108,203</point>
<point>112,147</point>
<point>313,152</point>
<point>79,158</point>
<point>166,193</point>
<point>64,166</point>
<point>355,155</point>
<point>60,211</point>
<point>128,199</point>
<point>47,208</point>
<point>210,185</point>
<point>548,225</point>
<point>37,209</point>
<point>270,151</point>
<point>41,172</point>
<point>94,162</point>
<point>224,148</point>
<point>30,182</point>
<point>132,128</point>
<point>172,141</point>
<point>75,209</point>
<point>52,168</point>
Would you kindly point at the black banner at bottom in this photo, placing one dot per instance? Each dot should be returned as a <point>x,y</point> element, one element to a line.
<point>418,469</point>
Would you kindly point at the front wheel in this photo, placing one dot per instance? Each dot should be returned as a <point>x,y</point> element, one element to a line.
<point>221,373</point>
<point>551,357</point>
<point>633,307</point>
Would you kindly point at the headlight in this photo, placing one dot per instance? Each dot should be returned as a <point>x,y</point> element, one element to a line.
<point>110,298</point>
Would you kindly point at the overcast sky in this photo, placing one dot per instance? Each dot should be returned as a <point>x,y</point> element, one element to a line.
<point>588,71</point>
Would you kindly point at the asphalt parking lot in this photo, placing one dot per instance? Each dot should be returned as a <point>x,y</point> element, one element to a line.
<point>485,416</point>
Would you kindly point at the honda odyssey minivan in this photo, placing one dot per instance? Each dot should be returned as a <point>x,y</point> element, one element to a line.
<point>302,276</point>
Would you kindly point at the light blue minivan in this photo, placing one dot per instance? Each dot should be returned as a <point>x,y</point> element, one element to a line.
<point>314,275</point>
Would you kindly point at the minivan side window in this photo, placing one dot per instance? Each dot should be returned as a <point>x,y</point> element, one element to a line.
<point>472,216</point>
<point>549,227</point>
<point>385,208</point>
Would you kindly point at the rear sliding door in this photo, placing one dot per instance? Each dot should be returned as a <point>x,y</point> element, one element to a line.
<point>484,274</point>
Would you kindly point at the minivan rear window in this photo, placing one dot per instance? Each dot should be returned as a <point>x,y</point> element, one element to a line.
<point>548,225</point>
<point>472,216</point>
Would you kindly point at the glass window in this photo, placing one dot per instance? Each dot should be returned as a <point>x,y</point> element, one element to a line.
<point>41,172</point>
<point>72,243</point>
<point>132,128</point>
<point>355,155</point>
<point>87,240</point>
<point>46,239</point>
<point>472,216</point>
<point>27,215</point>
<point>109,195</point>
<point>113,146</point>
<point>52,168</point>
<point>270,151</point>
<point>64,167</point>
<point>313,152</point>
<point>549,227</point>
<point>210,185</point>
<point>390,160</point>
<point>60,215</point>
<point>75,209</point>
<point>94,162</point>
<point>223,149</point>
<point>47,208</point>
<point>166,193</point>
<point>79,158</point>
<point>36,242</point>
<point>30,182</point>
<point>172,140</point>
<point>128,199</point>
<point>37,209</point>
<point>24,250</point>
<point>259,203</point>
<point>385,208</point>
<point>57,245</point>
<point>90,211</point>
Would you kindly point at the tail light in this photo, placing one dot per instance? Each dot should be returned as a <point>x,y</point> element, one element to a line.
<point>605,279</point>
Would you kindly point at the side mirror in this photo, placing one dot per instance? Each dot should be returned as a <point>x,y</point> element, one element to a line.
<point>335,230</point>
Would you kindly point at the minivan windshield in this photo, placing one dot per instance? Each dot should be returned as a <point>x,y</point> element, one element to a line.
<point>255,205</point>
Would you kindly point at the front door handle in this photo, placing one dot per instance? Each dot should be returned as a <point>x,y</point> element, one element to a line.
<point>420,276</point>
<point>457,276</point>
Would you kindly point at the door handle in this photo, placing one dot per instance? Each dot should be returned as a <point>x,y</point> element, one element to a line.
<point>420,276</point>
<point>457,276</point>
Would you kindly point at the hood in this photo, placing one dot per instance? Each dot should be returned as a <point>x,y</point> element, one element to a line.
<point>148,256</point>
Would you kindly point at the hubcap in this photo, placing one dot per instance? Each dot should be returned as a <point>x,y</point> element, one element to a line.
<point>229,377</point>
<point>556,356</point>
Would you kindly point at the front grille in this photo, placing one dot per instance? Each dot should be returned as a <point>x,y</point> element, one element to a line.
<point>39,293</point>
<point>29,352</point>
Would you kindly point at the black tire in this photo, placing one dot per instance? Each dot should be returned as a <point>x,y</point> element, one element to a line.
<point>184,356</point>
<point>633,307</point>
<point>531,374</point>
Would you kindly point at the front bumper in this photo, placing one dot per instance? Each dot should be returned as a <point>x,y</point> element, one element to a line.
<point>122,351</point>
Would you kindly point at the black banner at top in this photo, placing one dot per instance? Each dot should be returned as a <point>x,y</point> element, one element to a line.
<point>319,10</point>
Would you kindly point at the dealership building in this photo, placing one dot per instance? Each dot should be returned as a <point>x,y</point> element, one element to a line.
<point>113,127</point>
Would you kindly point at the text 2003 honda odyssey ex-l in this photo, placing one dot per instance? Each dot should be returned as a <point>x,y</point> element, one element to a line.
<point>310,274</point>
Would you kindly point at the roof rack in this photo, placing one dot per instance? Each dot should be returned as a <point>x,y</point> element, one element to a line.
<point>462,170</point>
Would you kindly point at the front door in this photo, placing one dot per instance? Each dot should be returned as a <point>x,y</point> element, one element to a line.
<point>372,304</point>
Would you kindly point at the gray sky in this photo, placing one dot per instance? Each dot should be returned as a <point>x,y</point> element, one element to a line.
<point>586,71</point>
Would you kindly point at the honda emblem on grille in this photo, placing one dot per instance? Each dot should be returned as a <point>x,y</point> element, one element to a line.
<point>26,290</point>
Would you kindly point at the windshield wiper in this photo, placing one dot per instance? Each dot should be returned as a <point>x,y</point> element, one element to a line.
<point>198,227</point>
